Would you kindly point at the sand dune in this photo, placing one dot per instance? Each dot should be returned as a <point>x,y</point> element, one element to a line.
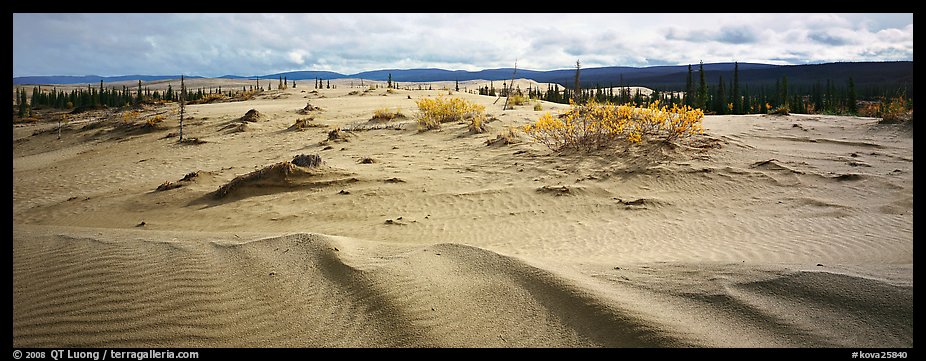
<point>772,231</point>
<point>148,288</point>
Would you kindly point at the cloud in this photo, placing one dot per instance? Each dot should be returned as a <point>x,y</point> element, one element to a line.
<point>255,44</point>
<point>826,38</point>
<point>737,35</point>
<point>726,34</point>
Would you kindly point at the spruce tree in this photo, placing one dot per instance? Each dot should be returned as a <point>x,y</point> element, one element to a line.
<point>720,103</point>
<point>816,96</point>
<point>777,98</point>
<point>138,94</point>
<point>689,89</point>
<point>851,98</point>
<point>34,101</point>
<point>784,89</point>
<point>747,101</point>
<point>737,98</point>
<point>576,82</point>
<point>23,106</point>
<point>702,88</point>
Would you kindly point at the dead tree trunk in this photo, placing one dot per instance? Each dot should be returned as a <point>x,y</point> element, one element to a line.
<point>510,85</point>
<point>182,106</point>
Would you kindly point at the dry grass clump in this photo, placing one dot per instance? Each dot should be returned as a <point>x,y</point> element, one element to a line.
<point>282,170</point>
<point>385,115</point>
<point>505,138</point>
<point>308,109</point>
<point>537,106</point>
<point>477,125</point>
<point>434,111</point>
<point>337,135</point>
<point>238,127</point>
<point>252,116</point>
<point>279,174</point>
<point>187,179</point>
<point>517,99</point>
<point>155,121</point>
<point>595,125</point>
<point>304,123</point>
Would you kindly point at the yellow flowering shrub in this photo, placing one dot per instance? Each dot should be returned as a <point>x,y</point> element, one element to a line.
<point>129,117</point>
<point>154,121</point>
<point>893,110</point>
<point>595,125</point>
<point>434,111</point>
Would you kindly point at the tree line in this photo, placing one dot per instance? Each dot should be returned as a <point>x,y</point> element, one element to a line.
<point>729,96</point>
<point>92,97</point>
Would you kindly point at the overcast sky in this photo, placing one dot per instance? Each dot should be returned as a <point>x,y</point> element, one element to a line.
<point>258,44</point>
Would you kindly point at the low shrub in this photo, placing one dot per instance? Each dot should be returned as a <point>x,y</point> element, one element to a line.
<point>129,117</point>
<point>384,114</point>
<point>507,137</point>
<point>154,121</point>
<point>894,110</point>
<point>517,99</point>
<point>782,110</point>
<point>595,125</point>
<point>434,111</point>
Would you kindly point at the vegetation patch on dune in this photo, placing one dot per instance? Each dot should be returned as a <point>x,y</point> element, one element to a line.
<point>187,179</point>
<point>279,174</point>
<point>385,115</point>
<point>253,116</point>
<point>337,135</point>
<point>304,123</point>
<point>505,138</point>
<point>595,125</point>
<point>308,109</point>
<point>435,111</point>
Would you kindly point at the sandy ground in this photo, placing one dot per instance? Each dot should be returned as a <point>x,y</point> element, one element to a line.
<point>785,231</point>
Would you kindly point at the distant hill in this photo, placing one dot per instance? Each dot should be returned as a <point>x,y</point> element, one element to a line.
<point>89,79</point>
<point>292,75</point>
<point>864,74</point>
